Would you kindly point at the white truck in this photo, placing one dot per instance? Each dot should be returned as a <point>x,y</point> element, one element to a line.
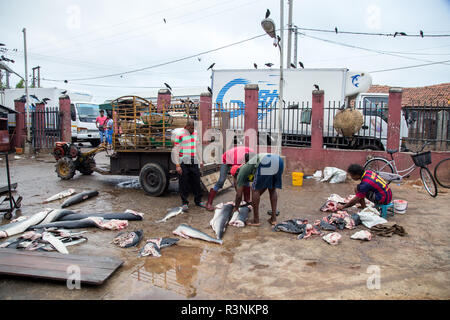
<point>83,111</point>
<point>339,84</point>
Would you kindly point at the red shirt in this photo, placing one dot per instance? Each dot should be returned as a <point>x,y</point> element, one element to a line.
<point>101,120</point>
<point>236,155</point>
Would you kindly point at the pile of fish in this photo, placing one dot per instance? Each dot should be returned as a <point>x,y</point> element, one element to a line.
<point>45,240</point>
<point>332,238</point>
<point>61,218</point>
<point>334,199</point>
<point>339,220</point>
<point>128,239</point>
<point>153,246</point>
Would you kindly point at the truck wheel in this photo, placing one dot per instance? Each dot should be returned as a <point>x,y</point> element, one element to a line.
<point>87,166</point>
<point>95,143</point>
<point>153,179</point>
<point>65,168</point>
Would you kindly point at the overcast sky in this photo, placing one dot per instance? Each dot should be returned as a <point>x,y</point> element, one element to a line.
<point>83,39</point>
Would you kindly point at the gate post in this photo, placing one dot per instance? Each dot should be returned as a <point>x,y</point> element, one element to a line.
<point>317,119</point>
<point>394,118</point>
<point>205,114</point>
<point>38,126</point>
<point>64,109</point>
<point>164,99</point>
<point>19,136</point>
<point>251,115</point>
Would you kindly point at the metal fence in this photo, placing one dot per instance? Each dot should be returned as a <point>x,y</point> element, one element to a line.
<point>45,128</point>
<point>427,123</point>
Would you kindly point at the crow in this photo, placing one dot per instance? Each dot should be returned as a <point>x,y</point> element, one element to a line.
<point>255,65</point>
<point>164,20</point>
<point>168,86</point>
<point>335,29</point>
<point>199,59</point>
<point>64,92</point>
<point>316,86</point>
<point>421,33</point>
<point>211,66</point>
<point>267,13</point>
<point>293,65</point>
<point>279,40</point>
<point>301,64</point>
<point>403,34</point>
<point>65,81</point>
<point>209,89</point>
<point>269,64</point>
<point>2,44</point>
<point>34,97</point>
<point>45,100</point>
<point>395,34</point>
<point>23,97</point>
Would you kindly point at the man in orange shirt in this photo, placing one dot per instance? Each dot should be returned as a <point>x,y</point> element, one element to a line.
<point>100,123</point>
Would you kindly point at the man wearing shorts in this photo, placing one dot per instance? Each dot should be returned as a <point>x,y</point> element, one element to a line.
<point>265,171</point>
<point>372,187</point>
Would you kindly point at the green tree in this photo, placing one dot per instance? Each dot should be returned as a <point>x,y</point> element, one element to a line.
<point>20,85</point>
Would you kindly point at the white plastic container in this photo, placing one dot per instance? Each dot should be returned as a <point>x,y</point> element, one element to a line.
<point>400,206</point>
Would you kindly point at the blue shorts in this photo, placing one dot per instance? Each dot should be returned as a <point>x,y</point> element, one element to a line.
<point>269,173</point>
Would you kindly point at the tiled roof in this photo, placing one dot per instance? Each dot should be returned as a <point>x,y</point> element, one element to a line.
<point>438,94</point>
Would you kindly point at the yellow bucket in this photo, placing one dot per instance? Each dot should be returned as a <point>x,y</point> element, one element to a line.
<point>297,179</point>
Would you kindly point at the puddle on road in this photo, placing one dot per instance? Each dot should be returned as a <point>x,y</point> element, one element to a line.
<point>175,271</point>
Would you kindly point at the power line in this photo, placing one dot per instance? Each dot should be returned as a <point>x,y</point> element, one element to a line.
<point>165,63</point>
<point>375,33</point>
<point>409,67</point>
<point>125,87</point>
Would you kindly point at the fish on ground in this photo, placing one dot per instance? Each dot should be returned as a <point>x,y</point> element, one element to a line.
<point>332,238</point>
<point>240,217</point>
<point>362,235</point>
<point>79,198</point>
<point>153,246</point>
<point>222,216</point>
<point>99,222</point>
<point>185,231</point>
<point>171,213</point>
<point>128,239</point>
<point>55,242</point>
<point>61,195</point>
<point>298,226</point>
<point>14,228</point>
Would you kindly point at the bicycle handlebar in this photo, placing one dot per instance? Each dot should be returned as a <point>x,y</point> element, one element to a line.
<point>423,147</point>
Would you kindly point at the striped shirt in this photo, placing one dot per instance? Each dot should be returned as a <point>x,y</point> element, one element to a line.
<point>187,143</point>
<point>372,182</point>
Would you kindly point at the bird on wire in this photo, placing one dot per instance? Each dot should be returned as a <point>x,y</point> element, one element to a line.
<point>421,33</point>
<point>199,59</point>
<point>164,20</point>
<point>168,87</point>
<point>316,86</point>
<point>255,65</point>
<point>269,64</point>
<point>293,65</point>
<point>301,64</point>
<point>335,29</point>
<point>267,13</point>
<point>64,92</point>
<point>211,66</point>
<point>65,81</point>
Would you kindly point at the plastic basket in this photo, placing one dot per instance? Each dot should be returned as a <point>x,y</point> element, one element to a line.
<point>422,159</point>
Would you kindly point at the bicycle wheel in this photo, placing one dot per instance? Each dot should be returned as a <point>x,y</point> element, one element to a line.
<point>379,165</point>
<point>442,173</point>
<point>428,181</point>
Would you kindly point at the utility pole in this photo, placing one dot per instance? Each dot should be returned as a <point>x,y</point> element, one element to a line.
<point>27,103</point>
<point>7,79</point>
<point>289,60</point>
<point>295,45</point>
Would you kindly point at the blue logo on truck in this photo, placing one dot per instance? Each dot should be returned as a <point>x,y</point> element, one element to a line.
<point>265,99</point>
<point>355,80</point>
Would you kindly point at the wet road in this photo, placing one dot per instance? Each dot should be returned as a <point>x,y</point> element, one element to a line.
<point>253,263</point>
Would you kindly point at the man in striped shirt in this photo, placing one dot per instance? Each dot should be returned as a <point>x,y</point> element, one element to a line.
<point>187,165</point>
<point>372,187</point>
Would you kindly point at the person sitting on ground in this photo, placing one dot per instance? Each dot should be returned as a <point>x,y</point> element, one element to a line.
<point>265,170</point>
<point>235,156</point>
<point>372,187</point>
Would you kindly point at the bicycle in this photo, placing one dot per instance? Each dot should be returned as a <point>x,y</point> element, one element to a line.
<point>388,169</point>
<point>442,173</point>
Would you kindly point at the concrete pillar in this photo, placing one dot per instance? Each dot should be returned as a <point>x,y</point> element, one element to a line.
<point>164,99</point>
<point>317,119</point>
<point>205,113</point>
<point>39,125</point>
<point>394,118</point>
<point>20,134</point>
<point>64,109</point>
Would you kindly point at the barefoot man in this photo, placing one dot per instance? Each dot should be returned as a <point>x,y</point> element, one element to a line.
<point>265,171</point>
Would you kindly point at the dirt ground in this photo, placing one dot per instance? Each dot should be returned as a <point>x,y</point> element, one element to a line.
<point>253,263</point>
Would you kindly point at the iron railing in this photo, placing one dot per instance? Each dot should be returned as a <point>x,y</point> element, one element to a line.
<point>45,128</point>
<point>427,123</point>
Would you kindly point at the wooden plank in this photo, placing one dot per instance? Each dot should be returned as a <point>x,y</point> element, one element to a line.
<point>210,180</point>
<point>52,265</point>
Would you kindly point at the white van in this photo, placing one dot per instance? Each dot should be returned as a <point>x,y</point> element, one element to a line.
<point>84,129</point>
